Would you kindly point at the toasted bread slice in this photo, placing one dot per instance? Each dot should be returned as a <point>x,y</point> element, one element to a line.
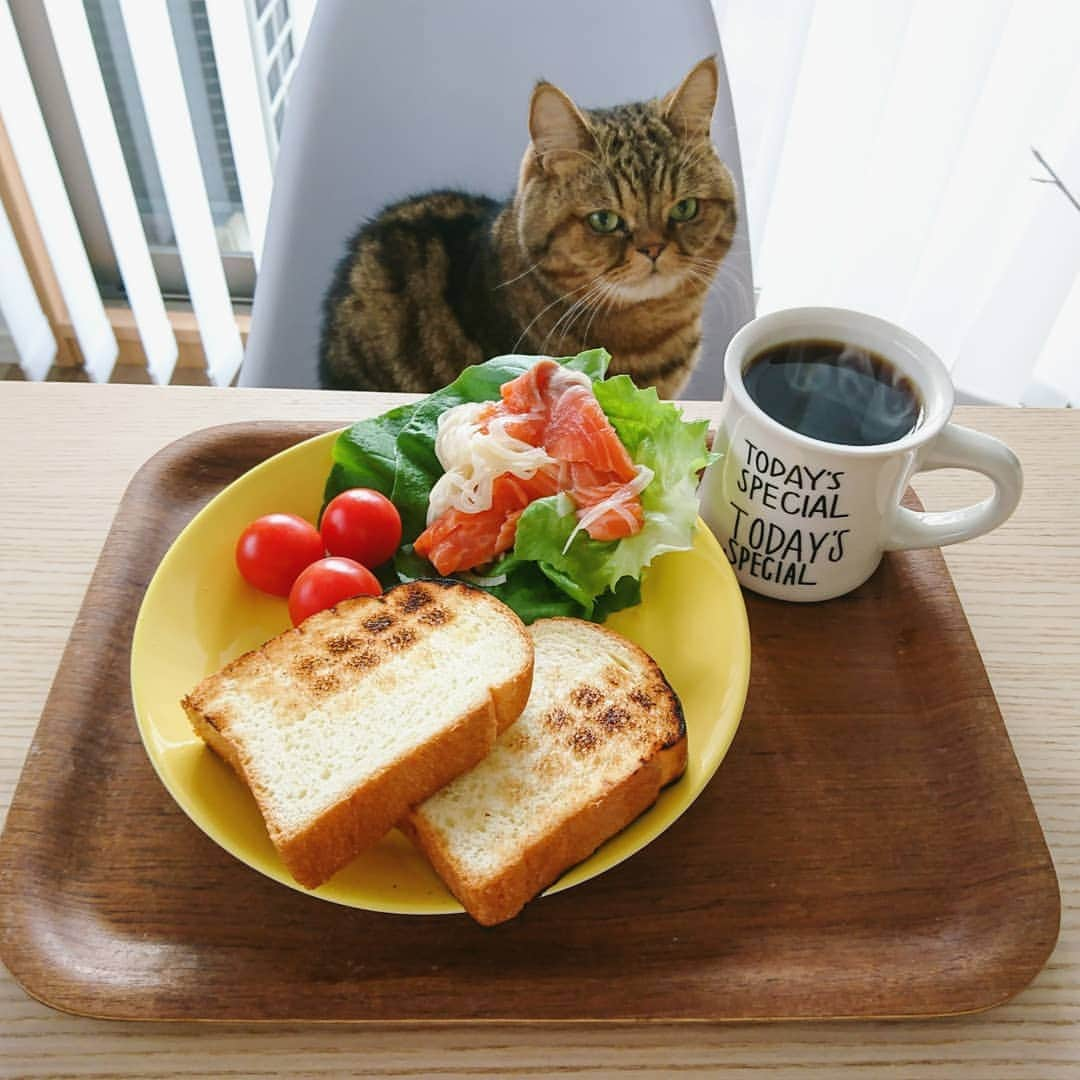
<point>342,723</point>
<point>601,734</point>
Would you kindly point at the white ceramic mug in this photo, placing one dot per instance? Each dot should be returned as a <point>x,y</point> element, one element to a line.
<point>803,519</point>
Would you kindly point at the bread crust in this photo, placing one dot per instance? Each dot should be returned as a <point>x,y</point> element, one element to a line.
<point>316,852</point>
<point>494,899</point>
<point>333,839</point>
<point>501,898</point>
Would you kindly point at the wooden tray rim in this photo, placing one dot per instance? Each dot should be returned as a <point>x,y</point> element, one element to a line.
<point>143,477</point>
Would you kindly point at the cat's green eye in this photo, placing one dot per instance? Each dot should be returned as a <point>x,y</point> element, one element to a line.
<point>684,210</point>
<point>604,221</point>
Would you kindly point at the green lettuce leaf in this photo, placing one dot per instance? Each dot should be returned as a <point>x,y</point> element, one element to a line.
<point>655,434</point>
<point>545,573</point>
<point>395,453</point>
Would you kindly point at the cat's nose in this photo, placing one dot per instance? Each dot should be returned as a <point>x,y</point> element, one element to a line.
<point>652,250</point>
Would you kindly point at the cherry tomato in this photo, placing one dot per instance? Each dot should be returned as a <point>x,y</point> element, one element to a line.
<point>326,583</point>
<point>361,524</point>
<point>273,550</point>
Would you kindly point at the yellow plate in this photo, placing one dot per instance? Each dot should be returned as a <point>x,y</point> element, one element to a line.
<point>198,613</point>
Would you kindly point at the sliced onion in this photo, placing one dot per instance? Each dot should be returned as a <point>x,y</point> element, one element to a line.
<point>474,451</point>
<point>565,377</point>
<point>486,582</point>
<point>616,502</point>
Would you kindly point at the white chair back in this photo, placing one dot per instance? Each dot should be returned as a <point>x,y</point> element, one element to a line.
<point>396,97</point>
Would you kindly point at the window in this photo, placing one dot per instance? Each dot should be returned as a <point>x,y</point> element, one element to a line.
<point>273,53</point>
<point>278,58</point>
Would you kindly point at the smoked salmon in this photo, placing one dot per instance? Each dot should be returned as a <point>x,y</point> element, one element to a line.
<point>549,419</point>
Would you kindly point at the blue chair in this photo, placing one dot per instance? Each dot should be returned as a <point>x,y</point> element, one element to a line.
<point>394,97</point>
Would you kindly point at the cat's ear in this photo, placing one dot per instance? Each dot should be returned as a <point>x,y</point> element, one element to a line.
<point>688,110</point>
<point>560,134</point>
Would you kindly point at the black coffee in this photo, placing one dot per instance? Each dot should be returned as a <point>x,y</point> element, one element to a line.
<point>834,392</point>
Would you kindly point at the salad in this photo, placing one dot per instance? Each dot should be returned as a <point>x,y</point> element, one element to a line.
<point>539,480</point>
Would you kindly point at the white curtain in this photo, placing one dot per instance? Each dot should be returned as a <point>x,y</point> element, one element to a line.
<point>920,160</point>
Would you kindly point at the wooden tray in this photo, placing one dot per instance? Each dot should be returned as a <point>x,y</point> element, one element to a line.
<point>867,849</point>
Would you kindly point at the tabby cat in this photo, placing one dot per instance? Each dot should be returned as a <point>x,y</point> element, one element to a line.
<point>618,225</point>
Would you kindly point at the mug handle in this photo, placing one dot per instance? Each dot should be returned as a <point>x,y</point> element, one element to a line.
<point>960,448</point>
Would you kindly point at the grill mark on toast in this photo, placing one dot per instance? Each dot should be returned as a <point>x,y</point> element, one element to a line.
<point>583,741</point>
<point>354,638</point>
<point>363,660</point>
<point>341,643</point>
<point>614,718</point>
<point>383,635</point>
<point>415,597</point>
<point>610,714</point>
<point>315,673</point>
<point>557,718</point>
<point>361,643</point>
<point>400,638</point>
<point>586,697</point>
<point>588,740</point>
<point>435,617</point>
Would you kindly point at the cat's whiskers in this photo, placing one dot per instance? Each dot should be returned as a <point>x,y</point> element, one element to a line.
<point>718,270</point>
<point>703,261</point>
<point>737,247</point>
<point>596,300</point>
<point>593,285</point>
<point>624,158</point>
<point>568,314</point>
<point>695,153</point>
<point>577,308</point>
<point>510,281</point>
<point>726,285</point>
<point>737,277</point>
<point>729,307</point>
<point>743,278</point>
<point>724,261</point>
<point>558,300</point>
<point>707,276</point>
<point>609,304</point>
<point>705,279</point>
<point>706,267</point>
<point>586,155</point>
<point>609,293</point>
<point>714,283</point>
<point>695,156</point>
<point>710,283</point>
<point>697,275</point>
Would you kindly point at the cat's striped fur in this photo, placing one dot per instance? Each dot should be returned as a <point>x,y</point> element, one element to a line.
<point>447,279</point>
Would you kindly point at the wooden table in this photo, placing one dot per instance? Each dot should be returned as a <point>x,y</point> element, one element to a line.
<point>68,453</point>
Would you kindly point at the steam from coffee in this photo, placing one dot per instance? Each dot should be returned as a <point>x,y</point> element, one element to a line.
<point>835,392</point>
